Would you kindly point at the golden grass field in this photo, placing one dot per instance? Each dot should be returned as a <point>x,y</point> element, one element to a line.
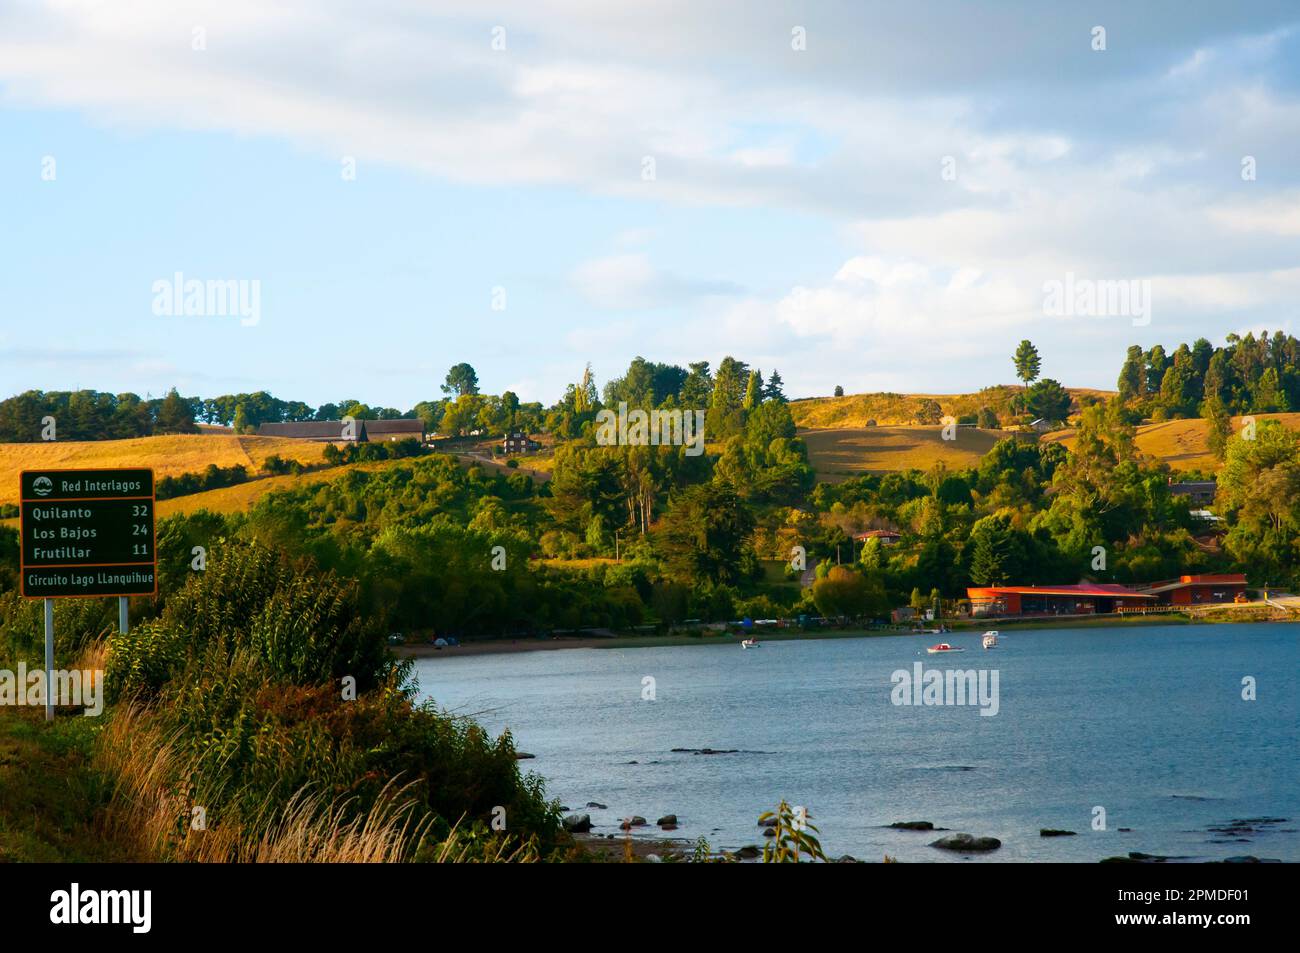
<point>840,454</point>
<point>1183,444</point>
<point>169,455</point>
<point>854,410</point>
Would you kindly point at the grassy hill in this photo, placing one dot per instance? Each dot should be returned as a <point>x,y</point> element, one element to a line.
<point>1183,444</point>
<point>855,410</point>
<point>169,455</point>
<point>846,452</point>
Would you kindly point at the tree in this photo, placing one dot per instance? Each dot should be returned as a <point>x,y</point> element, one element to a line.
<point>987,419</point>
<point>509,408</point>
<point>703,533</point>
<point>1157,364</point>
<point>839,391</point>
<point>176,415</point>
<point>928,411</point>
<point>1259,495</point>
<point>753,390</point>
<point>773,389</point>
<point>995,559</point>
<point>846,592</point>
<point>1049,400</point>
<point>1220,425</point>
<point>1132,376</point>
<point>241,419</point>
<point>461,379</point>
<point>1027,362</point>
<point>697,389</point>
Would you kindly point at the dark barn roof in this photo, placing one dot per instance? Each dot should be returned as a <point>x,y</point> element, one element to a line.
<point>407,426</point>
<point>333,429</point>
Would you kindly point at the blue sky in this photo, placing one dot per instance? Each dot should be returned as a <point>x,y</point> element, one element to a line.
<point>797,217</point>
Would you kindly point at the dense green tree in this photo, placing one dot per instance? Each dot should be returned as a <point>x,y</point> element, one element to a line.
<point>773,389</point>
<point>704,532</point>
<point>1049,400</point>
<point>462,379</point>
<point>1027,362</point>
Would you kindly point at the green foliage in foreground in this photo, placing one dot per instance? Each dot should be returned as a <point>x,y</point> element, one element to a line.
<point>271,682</point>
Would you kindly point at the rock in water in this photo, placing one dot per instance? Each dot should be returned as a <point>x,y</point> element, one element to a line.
<point>667,819</point>
<point>965,843</point>
<point>1053,832</point>
<point>913,825</point>
<point>596,804</point>
<point>577,823</point>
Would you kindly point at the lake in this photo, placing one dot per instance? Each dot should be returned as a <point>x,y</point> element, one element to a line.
<point>1147,723</point>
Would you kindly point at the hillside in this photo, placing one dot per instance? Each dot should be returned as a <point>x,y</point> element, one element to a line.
<point>846,452</point>
<point>1183,444</point>
<point>238,498</point>
<point>169,455</point>
<point>855,410</point>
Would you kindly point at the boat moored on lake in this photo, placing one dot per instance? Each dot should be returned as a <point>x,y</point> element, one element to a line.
<point>943,647</point>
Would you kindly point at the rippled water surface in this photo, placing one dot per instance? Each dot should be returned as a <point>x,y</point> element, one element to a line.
<point>1147,723</point>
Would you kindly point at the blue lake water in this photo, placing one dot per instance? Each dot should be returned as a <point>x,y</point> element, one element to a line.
<point>1147,723</point>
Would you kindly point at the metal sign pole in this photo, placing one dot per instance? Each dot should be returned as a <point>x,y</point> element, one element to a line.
<point>121,614</point>
<point>49,659</point>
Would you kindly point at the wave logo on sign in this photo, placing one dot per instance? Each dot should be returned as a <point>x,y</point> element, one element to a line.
<point>42,486</point>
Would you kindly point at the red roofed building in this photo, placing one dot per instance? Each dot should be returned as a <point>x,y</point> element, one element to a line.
<point>1082,599</point>
<point>1196,590</point>
<point>1088,597</point>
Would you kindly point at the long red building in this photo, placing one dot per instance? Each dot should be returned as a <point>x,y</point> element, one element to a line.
<point>1087,598</point>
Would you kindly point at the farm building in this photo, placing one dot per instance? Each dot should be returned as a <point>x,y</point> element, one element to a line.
<point>887,537</point>
<point>336,431</point>
<point>1201,492</point>
<point>519,442</point>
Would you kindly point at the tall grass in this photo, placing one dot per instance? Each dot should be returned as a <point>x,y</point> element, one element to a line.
<point>157,785</point>
<point>156,790</point>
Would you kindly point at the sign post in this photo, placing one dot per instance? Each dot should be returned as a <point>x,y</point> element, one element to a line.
<point>49,659</point>
<point>88,534</point>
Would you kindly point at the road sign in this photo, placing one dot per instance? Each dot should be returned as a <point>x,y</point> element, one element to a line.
<point>88,533</point>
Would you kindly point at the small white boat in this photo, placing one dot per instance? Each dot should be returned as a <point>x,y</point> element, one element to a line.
<point>990,640</point>
<point>748,644</point>
<point>942,647</point>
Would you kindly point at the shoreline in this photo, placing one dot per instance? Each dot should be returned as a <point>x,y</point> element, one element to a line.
<point>506,646</point>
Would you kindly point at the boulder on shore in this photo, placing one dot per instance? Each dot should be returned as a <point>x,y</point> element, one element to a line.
<point>965,843</point>
<point>577,823</point>
<point>748,852</point>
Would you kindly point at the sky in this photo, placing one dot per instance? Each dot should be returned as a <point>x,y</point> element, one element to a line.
<point>871,195</point>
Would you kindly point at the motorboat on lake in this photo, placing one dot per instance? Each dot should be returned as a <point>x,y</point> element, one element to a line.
<point>748,644</point>
<point>990,640</point>
<point>942,647</point>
